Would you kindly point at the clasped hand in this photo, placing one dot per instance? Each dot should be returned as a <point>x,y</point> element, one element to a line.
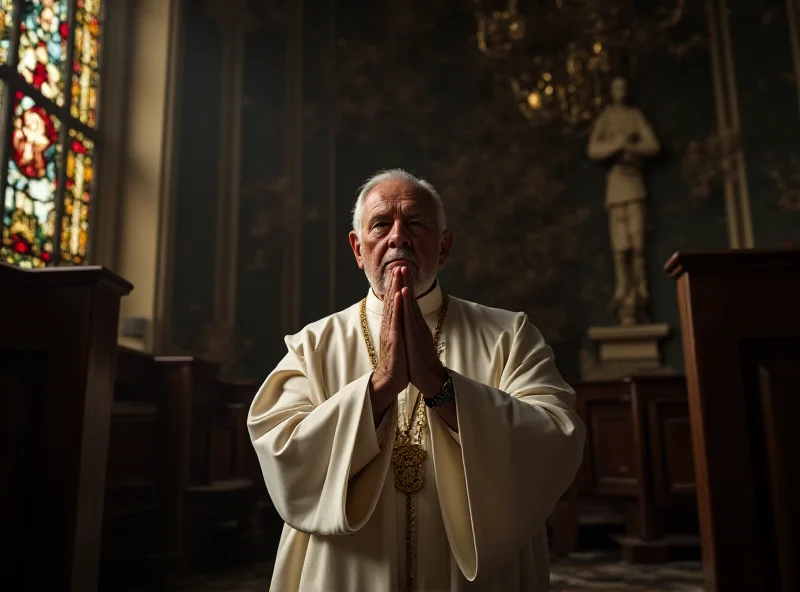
<point>407,352</point>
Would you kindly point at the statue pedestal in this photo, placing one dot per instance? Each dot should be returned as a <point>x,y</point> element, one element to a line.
<point>626,350</point>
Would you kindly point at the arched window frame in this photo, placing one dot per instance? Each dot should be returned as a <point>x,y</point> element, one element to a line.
<point>70,225</point>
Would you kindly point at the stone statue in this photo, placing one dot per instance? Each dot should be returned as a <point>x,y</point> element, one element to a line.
<point>622,135</point>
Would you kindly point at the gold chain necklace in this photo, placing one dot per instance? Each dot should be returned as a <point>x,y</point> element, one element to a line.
<point>408,455</point>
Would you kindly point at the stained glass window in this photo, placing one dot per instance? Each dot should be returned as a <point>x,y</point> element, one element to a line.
<point>44,31</point>
<point>6,27</point>
<point>49,76</point>
<point>75,222</point>
<point>85,62</point>
<point>30,211</point>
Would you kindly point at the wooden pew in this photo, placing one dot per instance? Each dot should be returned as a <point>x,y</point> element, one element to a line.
<point>148,463</point>
<point>637,470</point>
<point>179,468</point>
<point>57,359</point>
<point>222,521</point>
<point>740,324</point>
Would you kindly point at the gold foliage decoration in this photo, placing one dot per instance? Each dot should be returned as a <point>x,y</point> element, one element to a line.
<point>508,26</point>
<point>707,162</point>
<point>387,68</point>
<point>559,55</point>
<point>277,217</point>
<point>515,238</point>
<point>569,87</point>
<point>788,185</point>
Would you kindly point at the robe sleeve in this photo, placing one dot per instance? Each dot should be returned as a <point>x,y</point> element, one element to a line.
<point>321,458</point>
<point>381,429</point>
<point>519,446</point>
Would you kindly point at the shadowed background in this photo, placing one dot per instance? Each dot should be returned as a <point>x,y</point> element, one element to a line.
<point>337,91</point>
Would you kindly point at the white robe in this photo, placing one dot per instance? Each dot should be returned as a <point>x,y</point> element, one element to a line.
<point>488,489</point>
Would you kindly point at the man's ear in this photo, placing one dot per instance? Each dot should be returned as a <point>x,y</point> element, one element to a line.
<point>444,247</point>
<point>355,244</point>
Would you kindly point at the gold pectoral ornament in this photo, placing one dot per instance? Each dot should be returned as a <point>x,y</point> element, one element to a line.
<point>408,461</point>
<point>408,458</point>
<point>408,454</point>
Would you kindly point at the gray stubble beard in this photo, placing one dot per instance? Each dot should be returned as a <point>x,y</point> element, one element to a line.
<point>420,283</point>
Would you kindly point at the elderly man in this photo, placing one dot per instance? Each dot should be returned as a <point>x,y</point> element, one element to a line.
<point>414,441</point>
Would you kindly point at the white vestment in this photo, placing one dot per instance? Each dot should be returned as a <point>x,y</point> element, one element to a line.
<point>488,488</point>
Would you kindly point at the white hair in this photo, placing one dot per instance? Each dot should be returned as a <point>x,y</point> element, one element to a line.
<point>396,175</point>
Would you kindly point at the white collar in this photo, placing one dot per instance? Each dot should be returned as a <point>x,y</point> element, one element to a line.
<point>430,302</point>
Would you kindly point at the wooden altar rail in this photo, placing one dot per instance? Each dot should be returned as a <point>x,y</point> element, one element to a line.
<point>58,335</point>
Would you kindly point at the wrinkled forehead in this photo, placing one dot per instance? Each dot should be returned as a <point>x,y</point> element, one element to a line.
<point>399,197</point>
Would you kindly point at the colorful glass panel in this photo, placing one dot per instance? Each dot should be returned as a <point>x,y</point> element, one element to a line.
<point>29,213</point>
<point>85,62</point>
<point>75,223</point>
<point>44,32</point>
<point>6,28</point>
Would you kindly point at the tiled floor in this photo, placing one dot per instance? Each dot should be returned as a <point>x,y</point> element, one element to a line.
<point>580,572</point>
<point>603,571</point>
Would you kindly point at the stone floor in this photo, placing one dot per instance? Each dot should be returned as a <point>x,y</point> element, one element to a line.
<point>578,572</point>
<point>604,571</point>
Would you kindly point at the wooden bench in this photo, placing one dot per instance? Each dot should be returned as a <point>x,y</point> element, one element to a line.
<point>180,467</point>
<point>637,471</point>
<point>148,462</point>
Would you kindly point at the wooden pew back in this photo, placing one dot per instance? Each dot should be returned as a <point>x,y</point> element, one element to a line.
<point>148,461</point>
<point>740,322</point>
<point>179,465</point>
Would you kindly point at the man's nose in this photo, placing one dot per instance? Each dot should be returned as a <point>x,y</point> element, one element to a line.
<point>399,237</point>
